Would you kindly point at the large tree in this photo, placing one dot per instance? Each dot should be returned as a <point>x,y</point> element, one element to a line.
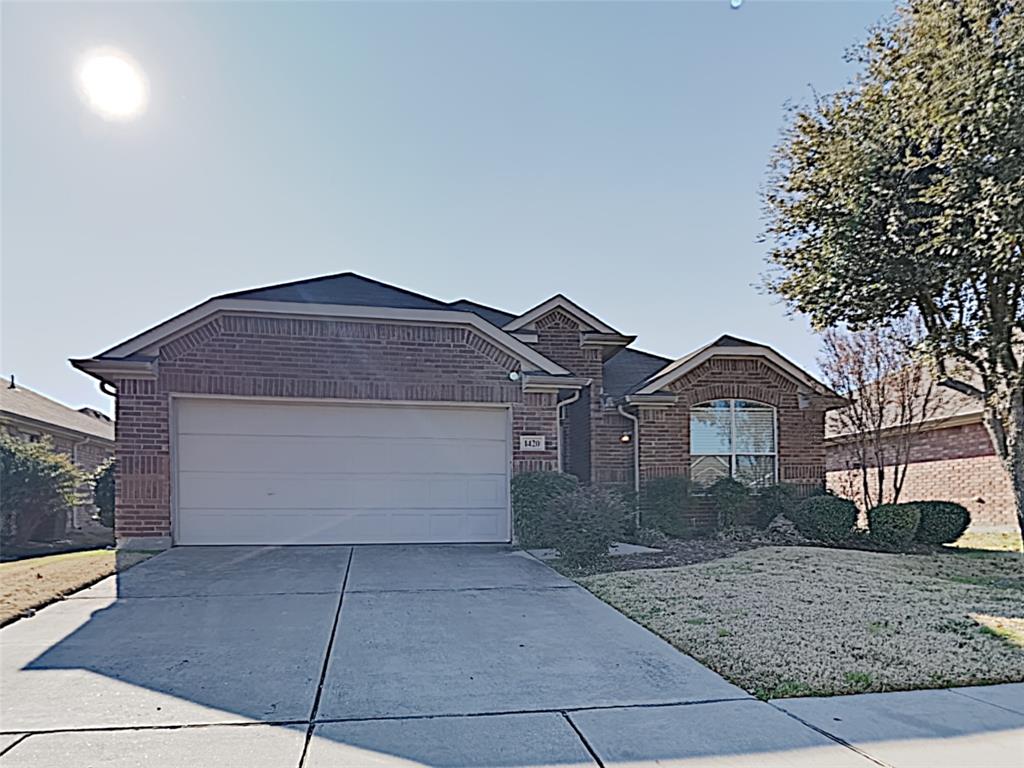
<point>904,193</point>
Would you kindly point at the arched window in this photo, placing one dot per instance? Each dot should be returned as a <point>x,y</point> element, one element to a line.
<point>733,438</point>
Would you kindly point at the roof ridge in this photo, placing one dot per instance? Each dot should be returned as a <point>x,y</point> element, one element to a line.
<point>335,276</point>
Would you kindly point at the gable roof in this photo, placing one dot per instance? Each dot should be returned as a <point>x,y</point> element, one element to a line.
<point>345,288</point>
<point>345,295</point>
<point>28,404</point>
<point>729,346</point>
<point>558,301</point>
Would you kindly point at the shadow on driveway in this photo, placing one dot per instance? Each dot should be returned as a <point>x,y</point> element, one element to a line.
<point>453,656</point>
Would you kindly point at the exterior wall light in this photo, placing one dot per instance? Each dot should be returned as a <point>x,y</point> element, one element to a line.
<point>625,437</point>
<point>513,376</point>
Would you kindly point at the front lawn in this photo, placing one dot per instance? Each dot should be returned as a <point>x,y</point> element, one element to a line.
<point>26,585</point>
<point>797,621</point>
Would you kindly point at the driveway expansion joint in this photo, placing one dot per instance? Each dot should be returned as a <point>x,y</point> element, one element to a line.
<point>983,701</point>
<point>544,588</point>
<point>548,711</point>
<point>14,743</point>
<point>583,740</point>
<point>832,736</point>
<point>327,661</point>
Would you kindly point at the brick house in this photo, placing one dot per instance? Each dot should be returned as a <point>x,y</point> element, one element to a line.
<point>344,410</point>
<point>85,435</point>
<point>950,459</point>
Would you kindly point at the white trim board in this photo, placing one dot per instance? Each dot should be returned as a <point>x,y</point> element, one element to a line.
<point>149,341</point>
<point>684,365</point>
<point>566,305</point>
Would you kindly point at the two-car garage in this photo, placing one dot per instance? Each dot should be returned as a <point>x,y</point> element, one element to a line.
<point>260,472</point>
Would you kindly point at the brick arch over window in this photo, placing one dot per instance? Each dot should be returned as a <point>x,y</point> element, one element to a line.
<point>734,378</point>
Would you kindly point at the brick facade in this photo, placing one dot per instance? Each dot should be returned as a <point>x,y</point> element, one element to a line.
<point>955,463</point>
<point>664,437</point>
<point>559,339</point>
<point>275,357</point>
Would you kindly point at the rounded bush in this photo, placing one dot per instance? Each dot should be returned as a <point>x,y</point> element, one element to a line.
<point>664,502</point>
<point>824,518</point>
<point>732,501</point>
<point>942,522</point>
<point>775,500</point>
<point>584,522</point>
<point>894,525</point>
<point>532,494</point>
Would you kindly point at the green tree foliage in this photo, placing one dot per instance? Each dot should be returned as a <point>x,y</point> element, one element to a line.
<point>103,492</point>
<point>903,194</point>
<point>36,485</point>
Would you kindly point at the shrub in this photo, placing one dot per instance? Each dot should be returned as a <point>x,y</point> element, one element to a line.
<point>893,525</point>
<point>664,502</point>
<point>731,499</point>
<point>824,518</point>
<point>36,485</point>
<point>584,522</point>
<point>773,501</point>
<point>103,493</point>
<point>532,494</point>
<point>942,522</point>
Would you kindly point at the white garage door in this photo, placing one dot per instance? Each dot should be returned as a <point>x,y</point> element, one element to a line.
<point>260,473</point>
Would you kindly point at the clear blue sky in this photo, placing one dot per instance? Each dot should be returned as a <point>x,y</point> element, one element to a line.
<point>500,152</point>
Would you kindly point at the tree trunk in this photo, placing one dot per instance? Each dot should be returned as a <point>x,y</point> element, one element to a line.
<point>1007,433</point>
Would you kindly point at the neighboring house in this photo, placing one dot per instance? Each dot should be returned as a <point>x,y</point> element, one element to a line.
<point>344,410</point>
<point>86,435</point>
<point>950,459</point>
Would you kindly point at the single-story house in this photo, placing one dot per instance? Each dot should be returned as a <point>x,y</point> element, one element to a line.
<point>85,435</point>
<point>950,458</point>
<point>344,410</point>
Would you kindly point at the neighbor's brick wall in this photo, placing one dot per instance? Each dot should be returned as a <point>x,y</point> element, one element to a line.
<point>285,357</point>
<point>665,430</point>
<point>952,464</point>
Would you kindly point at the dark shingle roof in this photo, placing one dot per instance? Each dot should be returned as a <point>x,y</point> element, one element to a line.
<point>31,405</point>
<point>345,288</point>
<point>628,367</point>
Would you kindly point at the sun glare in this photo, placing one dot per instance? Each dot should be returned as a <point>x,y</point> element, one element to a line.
<point>112,84</point>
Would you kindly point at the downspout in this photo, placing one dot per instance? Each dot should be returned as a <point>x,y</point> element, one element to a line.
<point>559,413</point>
<point>636,458</point>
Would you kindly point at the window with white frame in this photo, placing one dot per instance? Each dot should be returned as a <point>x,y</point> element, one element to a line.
<point>733,438</point>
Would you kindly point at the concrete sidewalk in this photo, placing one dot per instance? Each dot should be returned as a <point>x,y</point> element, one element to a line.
<point>466,657</point>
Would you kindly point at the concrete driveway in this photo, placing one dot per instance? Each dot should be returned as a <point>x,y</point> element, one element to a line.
<point>381,656</point>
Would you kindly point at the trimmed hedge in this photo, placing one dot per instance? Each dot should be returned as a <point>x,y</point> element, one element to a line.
<point>532,494</point>
<point>829,519</point>
<point>894,525</point>
<point>942,522</point>
<point>584,522</point>
<point>664,502</point>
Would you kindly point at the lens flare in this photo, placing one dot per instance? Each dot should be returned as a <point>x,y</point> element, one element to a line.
<point>112,84</point>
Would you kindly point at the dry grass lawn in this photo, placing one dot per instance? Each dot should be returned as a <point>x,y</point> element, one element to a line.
<point>794,621</point>
<point>26,585</point>
<point>1001,541</point>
